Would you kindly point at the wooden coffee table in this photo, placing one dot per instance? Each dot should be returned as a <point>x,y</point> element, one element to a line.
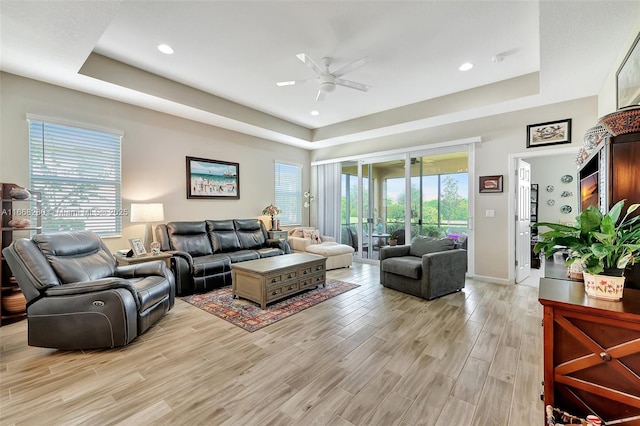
<point>273,278</point>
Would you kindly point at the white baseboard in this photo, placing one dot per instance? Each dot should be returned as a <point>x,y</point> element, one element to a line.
<point>491,279</point>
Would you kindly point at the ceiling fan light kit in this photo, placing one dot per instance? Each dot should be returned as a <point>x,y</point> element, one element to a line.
<point>328,80</point>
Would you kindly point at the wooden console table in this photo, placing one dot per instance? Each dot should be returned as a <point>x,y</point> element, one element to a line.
<point>273,278</point>
<point>591,352</point>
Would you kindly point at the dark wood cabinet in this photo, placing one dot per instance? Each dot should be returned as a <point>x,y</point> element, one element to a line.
<point>614,170</point>
<point>12,209</point>
<point>591,352</point>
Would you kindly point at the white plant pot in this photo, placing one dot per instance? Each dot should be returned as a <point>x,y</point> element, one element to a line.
<point>603,286</point>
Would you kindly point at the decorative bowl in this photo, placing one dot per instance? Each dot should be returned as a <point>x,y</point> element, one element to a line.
<point>625,120</point>
<point>19,193</point>
<point>14,303</point>
<point>19,223</point>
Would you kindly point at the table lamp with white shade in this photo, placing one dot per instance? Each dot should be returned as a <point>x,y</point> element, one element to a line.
<point>147,213</point>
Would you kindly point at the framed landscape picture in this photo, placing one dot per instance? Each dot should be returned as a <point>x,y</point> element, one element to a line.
<point>491,183</point>
<point>628,77</point>
<point>212,179</point>
<point>552,133</point>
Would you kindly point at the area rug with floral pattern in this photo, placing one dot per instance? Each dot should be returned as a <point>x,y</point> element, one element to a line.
<point>249,316</point>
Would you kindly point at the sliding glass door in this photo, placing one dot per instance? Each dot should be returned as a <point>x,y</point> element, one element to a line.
<point>404,196</point>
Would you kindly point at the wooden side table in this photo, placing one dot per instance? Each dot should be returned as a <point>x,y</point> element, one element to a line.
<point>278,235</point>
<point>148,257</point>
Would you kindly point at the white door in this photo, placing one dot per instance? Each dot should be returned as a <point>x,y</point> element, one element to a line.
<point>523,221</point>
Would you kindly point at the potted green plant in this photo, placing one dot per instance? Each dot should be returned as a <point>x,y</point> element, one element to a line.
<point>603,244</point>
<point>393,237</point>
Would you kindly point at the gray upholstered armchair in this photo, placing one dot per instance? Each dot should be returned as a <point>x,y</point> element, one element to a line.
<point>76,296</point>
<point>426,268</point>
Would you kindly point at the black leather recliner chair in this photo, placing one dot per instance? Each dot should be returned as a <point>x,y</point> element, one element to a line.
<point>76,296</point>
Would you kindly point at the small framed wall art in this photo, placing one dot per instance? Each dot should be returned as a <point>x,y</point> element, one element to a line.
<point>491,183</point>
<point>212,179</point>
<point>551,133</point>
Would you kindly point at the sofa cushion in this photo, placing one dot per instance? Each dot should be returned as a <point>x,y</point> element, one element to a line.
<point>210,265</point>
<point>190,237</point>
<point>424,245</point>
<point>242,255</point>
<point>76,256</point>
<point>222,234</point>
<point>407,266</point>
<point>329,249</point>
<point>313,235</point>
<point>250,233</point>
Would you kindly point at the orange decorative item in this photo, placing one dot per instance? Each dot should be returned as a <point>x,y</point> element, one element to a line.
<point>14,303</point>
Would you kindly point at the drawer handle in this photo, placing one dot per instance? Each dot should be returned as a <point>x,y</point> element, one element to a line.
<point>274,293</point>
<point>304,273</point>
<point>605,356</point>
<point>290,288</point>
<point>273,280</point>
<point>289,276</point>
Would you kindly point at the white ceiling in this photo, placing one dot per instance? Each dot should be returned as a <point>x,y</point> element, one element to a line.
<point>228,56</point>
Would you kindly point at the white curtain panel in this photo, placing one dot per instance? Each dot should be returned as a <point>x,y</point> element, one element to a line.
<point>328,209</point>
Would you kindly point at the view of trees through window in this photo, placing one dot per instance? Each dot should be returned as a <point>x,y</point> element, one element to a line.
<point>439,203</point>
<point>442,208</point>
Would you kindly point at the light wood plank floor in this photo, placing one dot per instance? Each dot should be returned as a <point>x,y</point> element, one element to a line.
<point>371,356</point>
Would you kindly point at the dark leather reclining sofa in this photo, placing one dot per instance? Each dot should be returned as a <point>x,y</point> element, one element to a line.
<point>203,251</point>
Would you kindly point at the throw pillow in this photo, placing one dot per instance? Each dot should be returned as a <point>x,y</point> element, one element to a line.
<point>424,245</point>
<point>306,233</point>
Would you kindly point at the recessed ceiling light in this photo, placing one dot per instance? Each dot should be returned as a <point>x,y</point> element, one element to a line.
<point>466,66</point>
<point>166,49</point>
<point>314,112</point>
<point>285,83</point>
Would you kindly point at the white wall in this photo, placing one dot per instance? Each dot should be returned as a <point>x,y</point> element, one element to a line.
<point>502,135</point>
<point>154,148</point>
<point>607,96</point>
<point>547,171</point>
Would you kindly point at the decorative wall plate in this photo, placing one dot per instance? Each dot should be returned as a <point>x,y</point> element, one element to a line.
<point>567,179</point>
<point>566,209</point>
<point>551,202</point>
<point>550,188</point>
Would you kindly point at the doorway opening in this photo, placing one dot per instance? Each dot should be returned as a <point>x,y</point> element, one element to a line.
<point>555,191</point>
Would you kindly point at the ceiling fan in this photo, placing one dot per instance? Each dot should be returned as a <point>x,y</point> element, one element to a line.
<point>328,80</point>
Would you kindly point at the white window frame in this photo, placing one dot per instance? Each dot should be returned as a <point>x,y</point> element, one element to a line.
<point>84,155</point>
<point>288,194</point>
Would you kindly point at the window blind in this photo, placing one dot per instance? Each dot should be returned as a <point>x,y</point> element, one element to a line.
<point>288,193</point>
<point>78,173</point>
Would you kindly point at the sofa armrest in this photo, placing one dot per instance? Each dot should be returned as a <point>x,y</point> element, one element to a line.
<point>299,244</point>
<point>85,287</point>
<point>393,251</point>
<point>442,268</point>
<point>153,267</point>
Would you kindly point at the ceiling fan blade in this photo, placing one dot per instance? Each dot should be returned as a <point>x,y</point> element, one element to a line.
<point>320,96</point>
<point>352,84</point>
<point>352,66</point>
<point>310,63</point>
<point>293,82</point>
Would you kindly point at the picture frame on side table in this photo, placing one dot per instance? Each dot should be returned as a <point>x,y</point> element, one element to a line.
<point>491,183</point>
<point>212,179</point>
<point>137,246</point>
<point>628,78</point>
<point>551,133</point>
